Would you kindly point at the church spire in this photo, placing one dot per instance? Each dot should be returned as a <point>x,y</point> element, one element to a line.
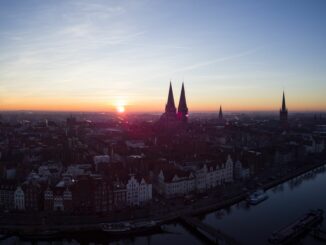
<point>182,108</point>
<point>220,115</point>
<point>284,113</point>
<point>170,106</point>
<point>283,103</point>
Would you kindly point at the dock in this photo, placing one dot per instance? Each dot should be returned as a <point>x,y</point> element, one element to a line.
<point>291,232</point>
<point>215,236</point>
<point>319,234</point>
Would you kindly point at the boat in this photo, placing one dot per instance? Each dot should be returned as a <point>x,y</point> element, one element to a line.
<point>144,224</point>
<point>288,233</point>
<point>41,235</point>
<point>116,228</point>
<point>257,197</point>
<point>130,228</point>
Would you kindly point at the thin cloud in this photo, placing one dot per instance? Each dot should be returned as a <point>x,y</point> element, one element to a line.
<point>210,62</point>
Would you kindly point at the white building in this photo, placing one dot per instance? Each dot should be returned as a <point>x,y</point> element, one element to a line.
<point>174,182</point>
<point>145,192</point>
<point>212,174</point>
<point>138,191</point>
<point>195,176</point>
<point>19,199</point>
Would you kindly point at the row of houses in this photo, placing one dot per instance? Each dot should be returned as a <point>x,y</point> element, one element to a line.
<point>175,180</point>
<point>89,193</point>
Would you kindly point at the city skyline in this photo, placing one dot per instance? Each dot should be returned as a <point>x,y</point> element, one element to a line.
<point>102,55</point>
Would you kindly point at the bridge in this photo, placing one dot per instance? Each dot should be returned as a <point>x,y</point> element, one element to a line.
<point>209,232</point>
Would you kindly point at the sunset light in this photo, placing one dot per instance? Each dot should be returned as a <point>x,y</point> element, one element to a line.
<point>121,109</point>
<point>120,106</point>
<point>148,122</point>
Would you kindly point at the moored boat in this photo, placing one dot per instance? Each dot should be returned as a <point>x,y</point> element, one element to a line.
<point>297,228</point>
<point>130,228</point>
<point>41,235</point>
<point>116,228</point>
<point>257,197</point>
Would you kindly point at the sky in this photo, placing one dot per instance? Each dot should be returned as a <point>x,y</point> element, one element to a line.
<point>98,55</point>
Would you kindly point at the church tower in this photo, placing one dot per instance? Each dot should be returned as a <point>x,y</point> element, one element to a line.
<point>170,109</point>
<point>220,114</point>
<point>170,106</point>
<point>221,121</point>
<point>284,113</point>
<point>182,108</point>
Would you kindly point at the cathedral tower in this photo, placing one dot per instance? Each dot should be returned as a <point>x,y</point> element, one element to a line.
<point>170,109</point>
<point>182,108</point>
<point>284,113</point>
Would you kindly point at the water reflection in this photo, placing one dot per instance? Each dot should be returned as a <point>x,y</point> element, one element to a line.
<point>278,188</point>
<point>173,234</point>
<point>286,202</point>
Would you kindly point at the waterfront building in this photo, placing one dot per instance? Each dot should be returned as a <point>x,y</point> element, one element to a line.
<point>48,199</point>
<point>7,189</point>
<point>32,191</point>
<point>119,195</point>
<point>67,199</point>
<point>19,199</point>
<point>83,194</point>
<point>138,191</point>
<point>175,182</point>
<point>145,191</point>
<point>210,174</point>
<point>103,195</point>
<point>132,187</point>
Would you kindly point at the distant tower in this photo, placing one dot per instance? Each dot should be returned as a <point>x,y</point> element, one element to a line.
<point>182,108</point>
<point>170,109</point>
<point>284,113</point>
<point>220,115</point>
<point>220,120</point>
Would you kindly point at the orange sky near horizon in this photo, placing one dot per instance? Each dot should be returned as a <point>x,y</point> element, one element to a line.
<point>158,105</point>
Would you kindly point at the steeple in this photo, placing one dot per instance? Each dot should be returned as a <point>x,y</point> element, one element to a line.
<point>283,103</point>
<point>221,121</point>
<point>182,108</point>
<point>220,115</point>
<point>284,113</point>
<point>170,106</point>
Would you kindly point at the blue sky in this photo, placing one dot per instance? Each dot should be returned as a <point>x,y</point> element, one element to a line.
<point>92,55</point>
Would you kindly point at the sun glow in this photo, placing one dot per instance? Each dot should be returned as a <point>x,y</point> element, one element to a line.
<point>120,106</point>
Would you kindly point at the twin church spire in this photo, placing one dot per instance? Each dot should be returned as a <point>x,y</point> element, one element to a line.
<point>170,109</point>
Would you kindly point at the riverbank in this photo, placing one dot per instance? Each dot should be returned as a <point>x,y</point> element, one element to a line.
<point>244,194</point>
<point>38,225</point>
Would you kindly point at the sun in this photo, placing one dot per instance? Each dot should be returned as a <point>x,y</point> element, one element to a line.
<point>120,106</point>
<point>120,109</point>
